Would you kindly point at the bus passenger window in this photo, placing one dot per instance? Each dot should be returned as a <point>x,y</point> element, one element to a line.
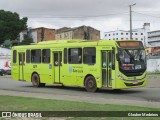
<point>46,55</point>
<point>65,55</point>
<point>36,56</point>
<point>28,55</point>
<point>75,55</point>
<point>89,55</point>
<point>56,59</point>
<point>14,56</point>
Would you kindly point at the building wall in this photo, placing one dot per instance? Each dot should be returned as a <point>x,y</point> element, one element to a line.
<point>82,32</point>
<point>34,36</point>
<point>45,34</point>
<point>154,38</point>
<point>93,34</point>
<point>62,32</point>
<point>153,65</point>
<point>39,34</point>
<point>78,33</point>
<point>137,34</point>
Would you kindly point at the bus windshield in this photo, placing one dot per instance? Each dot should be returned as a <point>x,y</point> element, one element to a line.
<point>132,60</point>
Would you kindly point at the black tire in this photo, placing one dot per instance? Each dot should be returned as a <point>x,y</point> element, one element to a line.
<point>90,84</point>
<point>36,81</point>
<point>117,90</point>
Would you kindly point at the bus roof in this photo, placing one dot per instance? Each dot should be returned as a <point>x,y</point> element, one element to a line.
<point>58,43</point>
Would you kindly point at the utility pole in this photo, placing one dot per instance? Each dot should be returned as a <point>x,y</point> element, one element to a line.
<point>130,6</point>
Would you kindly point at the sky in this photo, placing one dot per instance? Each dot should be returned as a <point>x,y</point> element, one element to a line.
<point>104,15</point>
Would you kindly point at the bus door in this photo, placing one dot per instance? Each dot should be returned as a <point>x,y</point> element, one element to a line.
<point>107,63</point>
<point>21,56</point>
<point>57,59</point>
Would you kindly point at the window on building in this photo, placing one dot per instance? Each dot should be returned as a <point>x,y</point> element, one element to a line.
<point>116,38</point>
<point>141,38</point>
<point>75,55</point>
<point>126,38</point>
<point>116,33</point>
<point>113,38</point>
<point>121,38</point>
<point>46,55</point>
<point>36,56</point>
<point>28,56</point>
<point>89,55</point>
<point>14,56</point>
<point>121,33</point>
<point>113,34</point>
<point>126,33</point>
<point>108,34</point>
<point>141,33</point>
<point>136,38</point>
<point>136,33</point>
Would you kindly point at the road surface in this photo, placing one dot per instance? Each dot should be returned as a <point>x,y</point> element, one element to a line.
<point>147,97</point>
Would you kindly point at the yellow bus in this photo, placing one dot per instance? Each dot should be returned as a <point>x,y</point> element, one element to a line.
<point>89,64</point>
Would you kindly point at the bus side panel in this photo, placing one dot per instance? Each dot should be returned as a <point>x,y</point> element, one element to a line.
<point>43,70</point>
<point>15,71</point>
<point>28,72</point>
<point>46,73</point>
<point>68,74</point>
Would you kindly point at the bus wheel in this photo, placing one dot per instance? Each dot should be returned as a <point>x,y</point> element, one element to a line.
<point>90,84</point>
<point>36,81</point>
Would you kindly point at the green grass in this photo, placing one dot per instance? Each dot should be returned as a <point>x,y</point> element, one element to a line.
<point>35,104</point>
<point>10,103</point>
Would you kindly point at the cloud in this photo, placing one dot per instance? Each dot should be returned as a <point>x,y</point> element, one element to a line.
<point>104,15</point>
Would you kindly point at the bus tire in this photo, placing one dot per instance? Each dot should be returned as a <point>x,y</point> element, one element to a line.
<point>36,81</point>
<point>90,84</point>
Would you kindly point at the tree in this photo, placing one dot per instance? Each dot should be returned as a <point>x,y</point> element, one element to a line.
<point>27,40</point>
<point>7,43</point>
<point>11,25</point>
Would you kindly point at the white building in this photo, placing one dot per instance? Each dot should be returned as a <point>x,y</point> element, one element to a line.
<point>154,38</point>
<point>137,34</point>
<point>32,33</point>
<point>5,58</point>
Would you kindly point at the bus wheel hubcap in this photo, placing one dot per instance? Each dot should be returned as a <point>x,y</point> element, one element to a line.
<point>90,84</point>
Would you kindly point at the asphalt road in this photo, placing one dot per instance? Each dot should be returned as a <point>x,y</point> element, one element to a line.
<point>149,97</point>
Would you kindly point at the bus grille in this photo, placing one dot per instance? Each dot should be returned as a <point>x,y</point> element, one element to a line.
<point>131,84</point>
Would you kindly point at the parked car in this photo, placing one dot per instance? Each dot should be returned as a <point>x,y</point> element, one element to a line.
<point>8,72</point>
<point>2,72</point>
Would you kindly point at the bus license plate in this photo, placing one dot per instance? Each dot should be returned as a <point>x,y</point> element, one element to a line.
<point>135,82</point>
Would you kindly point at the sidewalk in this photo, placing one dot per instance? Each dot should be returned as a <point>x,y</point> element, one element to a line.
<point>153,81</point>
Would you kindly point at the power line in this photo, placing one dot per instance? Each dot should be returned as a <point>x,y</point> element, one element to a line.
<point>146,14</point>
<point>78,16</point>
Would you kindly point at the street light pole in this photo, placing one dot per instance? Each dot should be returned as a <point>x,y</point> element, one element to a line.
<point>130,6</point>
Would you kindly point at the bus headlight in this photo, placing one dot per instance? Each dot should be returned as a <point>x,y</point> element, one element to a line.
<point>121,77</point>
